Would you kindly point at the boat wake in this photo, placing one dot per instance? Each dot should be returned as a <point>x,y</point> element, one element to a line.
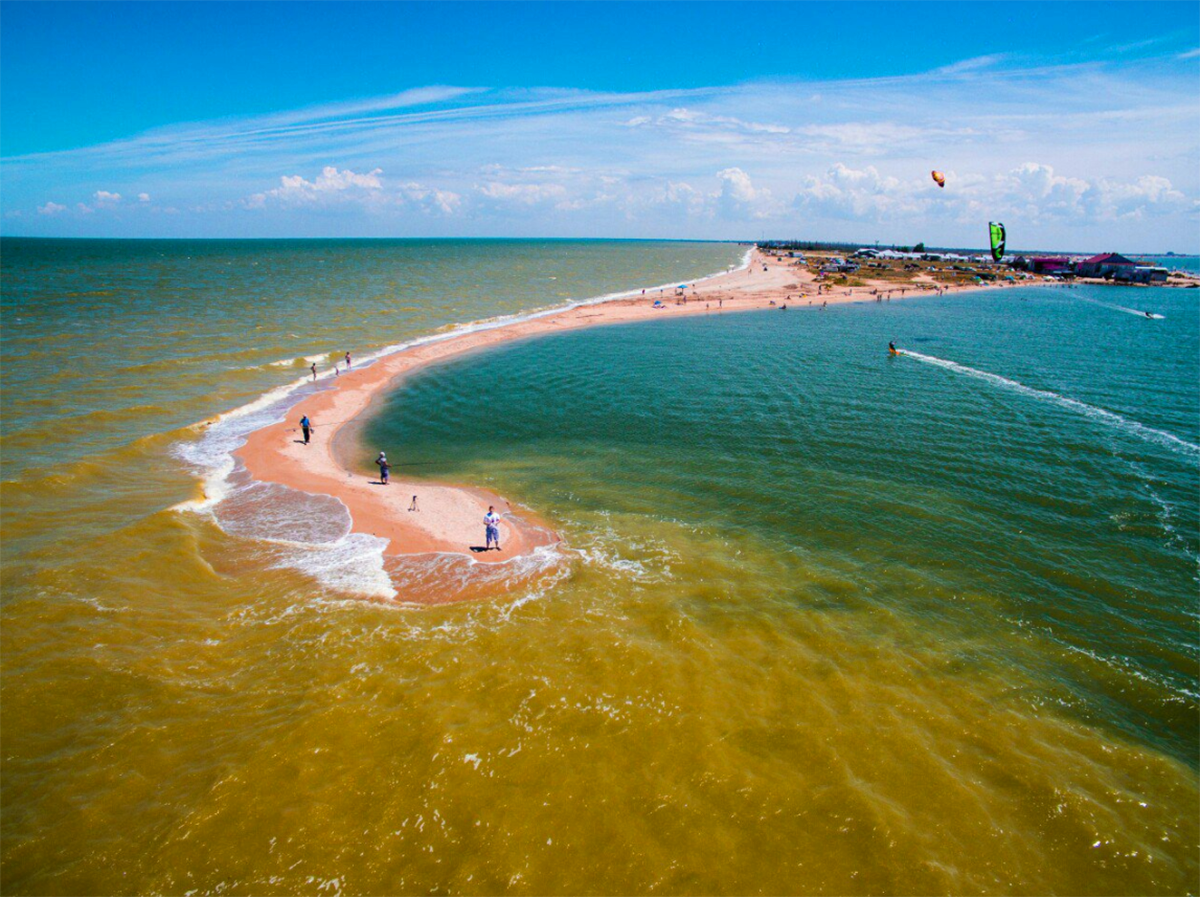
<point>1150,434</point>
<point>1128,311</point>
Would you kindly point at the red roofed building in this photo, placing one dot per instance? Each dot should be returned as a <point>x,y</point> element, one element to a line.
<point>1049,264</point>
<point>1105,265</point>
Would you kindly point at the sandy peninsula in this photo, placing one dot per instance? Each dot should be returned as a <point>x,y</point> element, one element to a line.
<point>450,518</point>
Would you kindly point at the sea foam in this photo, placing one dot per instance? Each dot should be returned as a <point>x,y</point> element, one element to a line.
<point>222,478</point>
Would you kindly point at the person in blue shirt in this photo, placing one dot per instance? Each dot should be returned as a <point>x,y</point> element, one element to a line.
<point>306,426</point>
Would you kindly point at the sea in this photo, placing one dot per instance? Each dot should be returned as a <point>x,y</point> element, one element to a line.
<point>824,620</point>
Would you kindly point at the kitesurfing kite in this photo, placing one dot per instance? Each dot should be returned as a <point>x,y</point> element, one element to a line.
<point>939,178</point>
<point>997,230</point>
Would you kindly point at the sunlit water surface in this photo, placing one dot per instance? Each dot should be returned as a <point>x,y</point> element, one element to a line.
<point>829,621</point>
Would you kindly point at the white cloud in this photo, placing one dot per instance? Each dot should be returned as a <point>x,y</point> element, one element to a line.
<point>1189,54</point>
<point>522,194</point>
<point>1032,193</point>
<point>329,183</point>
<point>739,198</point>
<point>103,197</point>
<point>333,186</point>
<point>430,199</point>
<point>51,208</point>
<point>143,197</point>
<point>849,193</point>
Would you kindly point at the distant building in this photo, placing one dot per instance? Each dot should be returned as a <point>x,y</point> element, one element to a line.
<point>1106,265</point>
<point>1049,264</point>
<point>1141,274</point>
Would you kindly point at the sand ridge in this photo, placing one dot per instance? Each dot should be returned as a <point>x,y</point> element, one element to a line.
<point>450,518</point>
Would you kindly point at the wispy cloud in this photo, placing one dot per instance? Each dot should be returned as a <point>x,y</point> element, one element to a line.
<point>1068,152</point>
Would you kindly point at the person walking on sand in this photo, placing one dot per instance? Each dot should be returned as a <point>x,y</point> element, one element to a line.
<point>413,506</point>
<point>306,428</point>
<point>491,522</point>
<point>384,468</point>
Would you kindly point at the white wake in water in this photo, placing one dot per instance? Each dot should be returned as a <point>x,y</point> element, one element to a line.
<point>1150,434</point>
<point>1128,311</point>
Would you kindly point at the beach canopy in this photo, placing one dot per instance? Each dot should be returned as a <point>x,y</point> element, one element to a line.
<point>683,286</point>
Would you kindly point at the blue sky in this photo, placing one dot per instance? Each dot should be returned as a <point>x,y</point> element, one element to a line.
<point>1076,123</point>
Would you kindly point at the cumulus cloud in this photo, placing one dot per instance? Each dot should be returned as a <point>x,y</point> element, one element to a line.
<point>330,183</point>
<point>430,199</point>
<point>103,197</point>
<point>522,194</point>
<point>333,186</point>
<point>143,197</point>
<point>849,193</point>
<point>51,208</point>
<point>737,197</point>
<point>1032,192</point>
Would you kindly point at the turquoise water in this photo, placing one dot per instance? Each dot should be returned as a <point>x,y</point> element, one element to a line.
<point>1027,478</point>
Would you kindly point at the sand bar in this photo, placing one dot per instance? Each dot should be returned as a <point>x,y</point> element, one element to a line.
<point>450,518</point>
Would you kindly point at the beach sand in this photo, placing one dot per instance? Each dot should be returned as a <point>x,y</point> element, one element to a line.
<point>450,519</point>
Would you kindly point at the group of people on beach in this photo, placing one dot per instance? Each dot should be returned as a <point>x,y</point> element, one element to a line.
<point>491,520</point>
<point>336,370</point>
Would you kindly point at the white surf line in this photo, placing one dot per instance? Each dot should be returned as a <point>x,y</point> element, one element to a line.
<point>226,431</point>
<point>1150,434</point>
<point>1129,311</point>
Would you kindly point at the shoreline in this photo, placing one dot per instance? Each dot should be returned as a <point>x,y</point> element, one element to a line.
<point>450,519</point>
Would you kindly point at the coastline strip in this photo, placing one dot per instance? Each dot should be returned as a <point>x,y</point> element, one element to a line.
<point>450,519</point>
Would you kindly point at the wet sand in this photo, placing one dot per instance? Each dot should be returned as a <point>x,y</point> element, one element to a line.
<point>450,518</point>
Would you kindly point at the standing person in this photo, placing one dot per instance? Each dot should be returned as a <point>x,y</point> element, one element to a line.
<point>306,427</point>
<point>347,361</point>
<point>313,368</point>
<point>491,522</point>
<point>384,468</point>
<point>413,506</point>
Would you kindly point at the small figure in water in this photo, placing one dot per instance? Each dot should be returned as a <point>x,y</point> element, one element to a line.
<point>491,522</point>
<point>892,348</point>
<point>384,468</point>
<point>347,361</point>
<point>306,427</point>
<point>413,506</point>
<point>1148,315</point>
<point>313,368</point>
